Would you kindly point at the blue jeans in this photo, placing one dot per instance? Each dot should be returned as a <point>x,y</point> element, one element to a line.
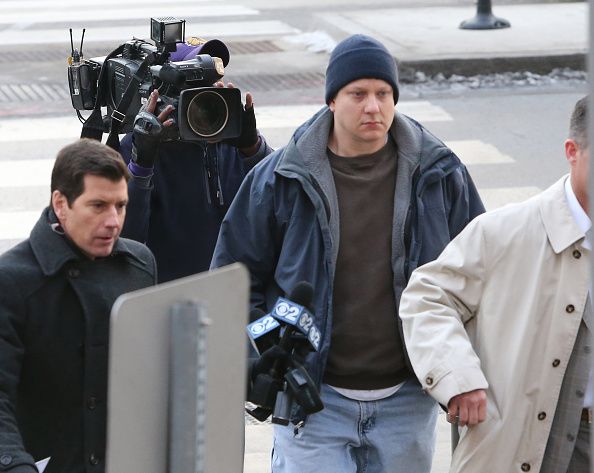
<point>392,435</point>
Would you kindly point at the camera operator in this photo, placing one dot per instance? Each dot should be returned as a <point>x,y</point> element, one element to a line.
<point>181,190</point>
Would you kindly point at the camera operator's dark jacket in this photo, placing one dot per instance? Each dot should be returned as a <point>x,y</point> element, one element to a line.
<point>178,212</point>
<point>54,327</point>
<point>283,223</point>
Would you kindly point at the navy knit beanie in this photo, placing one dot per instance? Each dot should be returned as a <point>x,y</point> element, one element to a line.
<point>359,57</point>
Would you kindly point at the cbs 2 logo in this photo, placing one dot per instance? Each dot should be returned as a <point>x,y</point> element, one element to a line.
<point>306,322</point>
<point>263,325</point>
<point>314,337</point>
<point>286,311</point>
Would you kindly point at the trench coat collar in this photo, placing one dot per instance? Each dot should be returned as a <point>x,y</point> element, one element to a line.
<point>562,229</point>
<point>52,250</point>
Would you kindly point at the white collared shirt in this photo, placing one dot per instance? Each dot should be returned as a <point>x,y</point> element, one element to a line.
<point>584,222</point>
<point>579,214</point>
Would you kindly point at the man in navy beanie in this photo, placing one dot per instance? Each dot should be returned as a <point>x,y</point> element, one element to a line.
<point>360,197</point>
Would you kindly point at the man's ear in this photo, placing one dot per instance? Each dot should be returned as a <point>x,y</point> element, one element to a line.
<point>571,151</point>
<point>332,105</point>
<point>59,204</point>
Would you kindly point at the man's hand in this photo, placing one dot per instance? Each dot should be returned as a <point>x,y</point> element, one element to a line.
<point>147,132</point>
<point>249,141</point>
<point>268,359</point>
<point>468,408</point>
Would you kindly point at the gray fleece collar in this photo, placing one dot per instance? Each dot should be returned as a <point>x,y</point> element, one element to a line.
<point>307,149</point>
<point>408,137</point>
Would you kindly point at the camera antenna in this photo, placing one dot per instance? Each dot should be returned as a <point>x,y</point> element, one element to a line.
<point>74,57</point>
<point>81,42</point>
<point>71,43</point>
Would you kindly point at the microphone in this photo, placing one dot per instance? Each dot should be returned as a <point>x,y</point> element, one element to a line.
<point>293,313</point>
<point>264,331</point>
<point>280,338</point>
<point>286,381</point>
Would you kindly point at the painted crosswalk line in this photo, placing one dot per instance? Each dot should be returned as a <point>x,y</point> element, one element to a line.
<point>498,197</point>
<point>123,33</point>
<point>25,173</point>
<point>268,117</point>
<point>27,158</point>
<point>65,5</point>
<point>478,152</point>
<point>110,14</point>
<point>17,225</point>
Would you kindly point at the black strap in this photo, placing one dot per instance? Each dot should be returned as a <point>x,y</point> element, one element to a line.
<point>93,126</point>
<point>118,115</point>
<point>259,413</point>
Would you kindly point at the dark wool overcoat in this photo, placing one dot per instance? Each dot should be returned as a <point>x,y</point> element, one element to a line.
<point>54,328</point>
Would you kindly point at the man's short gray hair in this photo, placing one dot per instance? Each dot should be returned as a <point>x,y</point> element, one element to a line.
<point>578,124</point>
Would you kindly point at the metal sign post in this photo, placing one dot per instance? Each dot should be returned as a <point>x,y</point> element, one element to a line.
<point>484,19</point>
<point>188,382</point>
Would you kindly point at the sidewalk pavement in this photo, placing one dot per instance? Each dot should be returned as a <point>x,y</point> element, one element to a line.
<point>542,36</point>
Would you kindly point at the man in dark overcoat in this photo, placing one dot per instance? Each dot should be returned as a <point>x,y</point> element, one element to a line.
<point>56,293</point>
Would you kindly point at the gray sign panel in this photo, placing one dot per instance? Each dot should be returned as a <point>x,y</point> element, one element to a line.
<point>143,358</point>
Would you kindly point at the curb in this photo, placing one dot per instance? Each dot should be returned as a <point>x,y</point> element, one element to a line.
<point>476,66</point>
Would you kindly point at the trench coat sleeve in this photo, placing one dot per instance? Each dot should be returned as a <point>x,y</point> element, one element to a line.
<point>12,320</point>
<point>441,297</point>
<point>247,236</point>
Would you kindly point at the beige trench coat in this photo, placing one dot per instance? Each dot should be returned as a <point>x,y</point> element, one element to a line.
<point>500,309</point>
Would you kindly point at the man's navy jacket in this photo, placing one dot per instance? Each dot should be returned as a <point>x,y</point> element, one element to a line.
<point>283,223</point>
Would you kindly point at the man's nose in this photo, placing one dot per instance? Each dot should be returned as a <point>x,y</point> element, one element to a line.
<point>372,104</point>
<point>112,219</point>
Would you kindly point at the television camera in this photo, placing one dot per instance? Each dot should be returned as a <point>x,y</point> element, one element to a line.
<point>124,79</point>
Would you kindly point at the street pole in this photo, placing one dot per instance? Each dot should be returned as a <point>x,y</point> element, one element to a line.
<point>484,19</point>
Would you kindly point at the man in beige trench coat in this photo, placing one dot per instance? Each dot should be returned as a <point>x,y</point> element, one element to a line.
<point>497,328</point>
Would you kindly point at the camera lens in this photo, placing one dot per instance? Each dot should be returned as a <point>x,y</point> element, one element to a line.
<point>207,113</point>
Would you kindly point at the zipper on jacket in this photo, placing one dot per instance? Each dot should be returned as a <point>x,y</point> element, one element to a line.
<point>212,178</point>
